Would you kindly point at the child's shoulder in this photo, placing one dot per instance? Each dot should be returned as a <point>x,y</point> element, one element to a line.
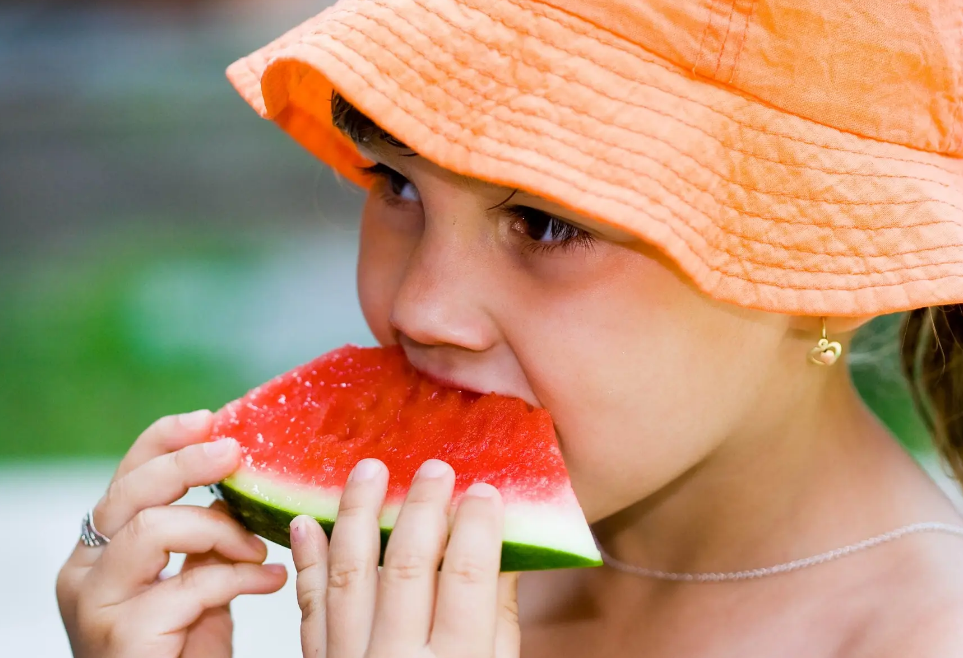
<point>918,604</point>
<point>933,634</point>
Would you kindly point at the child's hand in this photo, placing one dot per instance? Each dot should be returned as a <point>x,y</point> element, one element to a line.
<point>410,609</point>
<point>111,600</point>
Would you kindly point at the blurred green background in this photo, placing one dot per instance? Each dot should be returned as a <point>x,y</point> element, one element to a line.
<point>161,247</point>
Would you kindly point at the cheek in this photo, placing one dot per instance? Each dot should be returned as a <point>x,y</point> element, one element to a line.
<point>643,376</point>
<point>382,258</point>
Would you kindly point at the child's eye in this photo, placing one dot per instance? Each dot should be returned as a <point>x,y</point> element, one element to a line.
<point>399,188</point>
<point>545,231</point>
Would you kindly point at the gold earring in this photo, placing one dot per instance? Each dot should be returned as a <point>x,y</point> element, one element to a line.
<point>826,352</point>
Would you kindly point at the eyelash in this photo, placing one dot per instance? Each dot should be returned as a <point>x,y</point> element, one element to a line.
<point>392,178</point>
<point>565,236</point>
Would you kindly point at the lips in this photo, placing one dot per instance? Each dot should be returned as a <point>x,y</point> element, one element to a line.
<point>438,366</point>
<point>448,382</point>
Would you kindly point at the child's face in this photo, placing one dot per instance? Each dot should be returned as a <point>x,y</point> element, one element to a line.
<point>643,375</point>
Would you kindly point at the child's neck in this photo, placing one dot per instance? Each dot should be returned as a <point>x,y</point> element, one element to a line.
<point>806,475</point>
<point>825,478</point>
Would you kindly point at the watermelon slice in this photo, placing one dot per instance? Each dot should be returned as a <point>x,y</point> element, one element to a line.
<point>302,433</point>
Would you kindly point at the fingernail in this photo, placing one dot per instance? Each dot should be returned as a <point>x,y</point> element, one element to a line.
<point>366,469</point>
<point>195,420</point>
<point>297,529</point>
<point>220,448</point>
<point>433,468</point>
<point>276,568</point>
<point>481,490</point>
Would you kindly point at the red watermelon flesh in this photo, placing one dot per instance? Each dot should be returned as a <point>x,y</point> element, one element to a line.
<point>302,432</point>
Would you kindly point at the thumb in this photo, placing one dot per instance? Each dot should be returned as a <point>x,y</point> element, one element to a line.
<point>309,548</point>
<point>508,637</point>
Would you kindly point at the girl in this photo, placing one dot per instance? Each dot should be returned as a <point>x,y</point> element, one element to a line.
<point>662,221</point>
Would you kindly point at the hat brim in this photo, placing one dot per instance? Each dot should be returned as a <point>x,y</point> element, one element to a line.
<point>761,208</point>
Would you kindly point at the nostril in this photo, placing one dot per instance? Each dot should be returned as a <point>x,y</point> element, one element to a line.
<point>472,330</point>
<point>442,306</point>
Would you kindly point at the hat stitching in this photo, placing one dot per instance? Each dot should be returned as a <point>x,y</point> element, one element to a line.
<point>733,37</point>
<point>617,42</point>
<point>738,211</point>
<point>705,30</point>
<point>760,294</point>
<point>777,220</point>
<point>588,116</point>
<point>957,114</point>
<point>869,298</point>
<point>742,42</point>
<point>249,62</point>
<point>813,294</point>
<point>734,259</point>
<point>675,71</point>
<point>722,46</point>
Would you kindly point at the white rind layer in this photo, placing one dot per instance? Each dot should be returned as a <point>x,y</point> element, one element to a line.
<point>558,524</point>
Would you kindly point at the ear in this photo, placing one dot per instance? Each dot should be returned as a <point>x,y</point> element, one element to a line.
<point>835,325</point>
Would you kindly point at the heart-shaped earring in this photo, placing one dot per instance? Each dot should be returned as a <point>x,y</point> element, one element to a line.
<point>826,352</point>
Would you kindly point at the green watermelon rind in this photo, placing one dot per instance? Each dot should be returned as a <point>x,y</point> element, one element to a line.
<point>266,518</point>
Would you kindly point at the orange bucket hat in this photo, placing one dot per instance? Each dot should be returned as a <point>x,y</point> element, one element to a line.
<point>794,156</point>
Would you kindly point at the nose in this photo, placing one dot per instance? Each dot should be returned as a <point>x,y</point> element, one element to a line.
<point>442,299</point>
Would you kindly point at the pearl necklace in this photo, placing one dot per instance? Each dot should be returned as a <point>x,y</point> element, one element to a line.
<point>795,565</point>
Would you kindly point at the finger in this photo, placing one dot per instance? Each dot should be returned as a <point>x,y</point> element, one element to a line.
<point>178,602</point>
<point>78,565</point>
<point>212,623</point>
<point>68,588</point>
<point>309,548</point>
<point>135,557</point>
<point>353,561</point>
<point>508,635</point>
<point>194,560</point>
<point>406,588</point>
<point>165,435</point>
<point>465,611</point>
<point>163,480</point>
